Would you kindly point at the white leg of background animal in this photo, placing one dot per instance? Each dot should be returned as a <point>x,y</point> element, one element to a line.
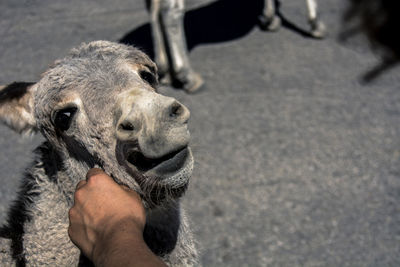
<point>160,52</point>
<point>318,29</point>
<point>172,12</point>
<point>269,21</point>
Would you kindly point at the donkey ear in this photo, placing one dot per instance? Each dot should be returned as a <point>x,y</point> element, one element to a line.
<point>16,106</point>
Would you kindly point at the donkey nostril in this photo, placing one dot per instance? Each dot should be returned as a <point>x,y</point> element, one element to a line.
<point>175,111</point>
<point>126,126</point>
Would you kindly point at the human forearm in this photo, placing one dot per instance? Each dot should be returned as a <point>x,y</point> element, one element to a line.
<point>124,246</point>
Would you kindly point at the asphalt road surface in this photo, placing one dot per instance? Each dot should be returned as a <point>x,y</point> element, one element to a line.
<point>297,162</point>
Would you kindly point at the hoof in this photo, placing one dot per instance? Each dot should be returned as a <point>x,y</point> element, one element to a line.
<point>318,29</point>
<point>193,84</point>
<point>164,75</point>
<point>165,79</point>
<point>269,24</point>
<point>189,81</point>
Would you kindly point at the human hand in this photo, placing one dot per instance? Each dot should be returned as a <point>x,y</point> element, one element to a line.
<point>104,210</point>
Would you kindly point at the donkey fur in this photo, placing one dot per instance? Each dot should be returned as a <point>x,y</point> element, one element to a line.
<point>97,107</point>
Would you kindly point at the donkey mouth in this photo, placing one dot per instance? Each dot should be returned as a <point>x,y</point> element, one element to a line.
<point>162,178</point>
<point>168,164</point>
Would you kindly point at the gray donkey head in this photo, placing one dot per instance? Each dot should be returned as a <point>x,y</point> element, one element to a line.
<point>99,106</point>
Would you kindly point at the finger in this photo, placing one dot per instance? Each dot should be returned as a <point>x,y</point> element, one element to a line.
<point>93,172</point>
<point>80,184</point>
<point>76,234</point>
<point>130,190</point>
<point>124,186</point>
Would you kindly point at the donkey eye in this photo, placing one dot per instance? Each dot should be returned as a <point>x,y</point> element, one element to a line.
<point>63,118</point>
<point>148,77</point>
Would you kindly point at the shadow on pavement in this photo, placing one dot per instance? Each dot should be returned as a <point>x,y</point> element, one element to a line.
<point>220,21</point>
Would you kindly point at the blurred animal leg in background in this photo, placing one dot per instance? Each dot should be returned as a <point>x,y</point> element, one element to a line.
<point>160,52</point>
<point>171,53</point>
<point>269,20</point>
<point>318,29</point>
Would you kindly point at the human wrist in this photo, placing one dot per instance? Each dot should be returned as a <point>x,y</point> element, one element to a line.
<point>117,239</point>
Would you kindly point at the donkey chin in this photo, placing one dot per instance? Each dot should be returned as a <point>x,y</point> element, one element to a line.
<point>161,179</point>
